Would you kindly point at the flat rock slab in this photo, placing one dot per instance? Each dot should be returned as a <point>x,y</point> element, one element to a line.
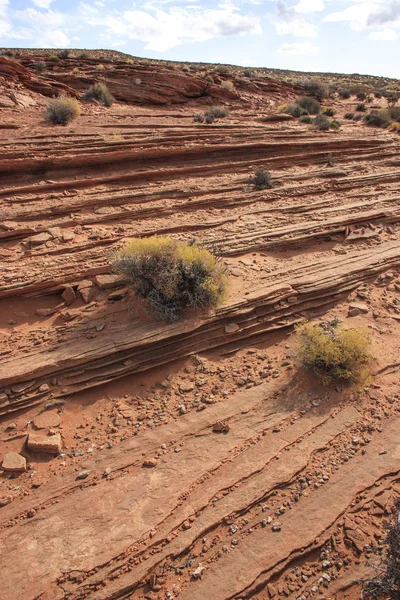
<point>105,282</point>
<point>13,461</point>
<point>47,419</point>
<point>49,444</point>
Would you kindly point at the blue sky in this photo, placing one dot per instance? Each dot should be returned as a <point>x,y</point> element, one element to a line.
<point>346,36</point>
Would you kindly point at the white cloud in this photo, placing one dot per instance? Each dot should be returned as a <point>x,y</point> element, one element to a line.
<point>5,24</point>
<point>387,13</point>
<point>37,19</point>
<point>55,38</point>
<point>384,34</point>
<point>289,22</point>
<point>299,48</point>
<point>165,29</point>
<point>42,3</point>
<point>309,6</point>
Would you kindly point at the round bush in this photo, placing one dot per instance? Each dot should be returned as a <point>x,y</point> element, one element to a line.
<point>305,119</point>
<point>376,119</point>
<point>101,93</point>
<point>333,353</point>
<point>322,123</point>
<point>172,275</point>
<point>62,110</point>
<point>261,179</point>
<point>310,104</point>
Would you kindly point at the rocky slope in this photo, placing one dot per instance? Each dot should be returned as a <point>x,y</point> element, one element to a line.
<point>191,460</point>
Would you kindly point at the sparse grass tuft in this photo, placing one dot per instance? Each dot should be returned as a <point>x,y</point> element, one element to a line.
<point>101,93</point>
<point>333,353</point>
<point>172,275</point>
<point>261,179</point>
<point>62,110</point>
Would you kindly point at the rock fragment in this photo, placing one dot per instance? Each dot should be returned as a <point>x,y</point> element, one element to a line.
<point>14,462</point>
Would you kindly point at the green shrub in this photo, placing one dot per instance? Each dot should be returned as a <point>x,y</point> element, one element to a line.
<point>305,119</point>
<point>209,118</point>
<point>83,55</point>
<point>63,53</point>
<point>62,110</point>
<point>378,94</point>
<point>345,94</point>
<point>39,66</point>
<point>333,353</point>
<point>357,118</point>
<point>329,112</point>
<point>54,58</point>
<point>261,179</point>
<point>223,69</point>
<point>311,105</point>
<point>361,107</point>
<point>218,112</point>
<point>349,116</point>
<point>293,109</point>
<point>315,88</point>
<point>321,122</point>
<point>172,275</point>
<point>248,73</point>
<point>199,118</point>
<point>377,119</point>
<point>101,93</point>
<point>387,583</point>
<point>361,96</point>
<point>335,124</point>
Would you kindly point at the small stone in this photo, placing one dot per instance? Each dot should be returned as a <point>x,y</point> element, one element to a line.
<point>233,528</point>
<point>186,386</point>
<point>83,474</point>
<point>105,282</point>
<point>68,295</point>
<point>357,308</point>
<point>149,464</point>
<point>276,526</point>
<point>14,462</point>
<point>45,312</point>
<point>37,240</point>
<point>47,419</point>
<point>198,572</point>
<point>221,427</point>
<point>39,442</point>
<point>232,328</point>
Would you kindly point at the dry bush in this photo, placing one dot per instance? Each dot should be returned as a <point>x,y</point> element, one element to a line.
<point>101,93</point>
<point>387,584</point>
<point>39,67</point>
<point>172,275</point>
<point>228,85</point>
<point>321,122</point>
<point>311,105</point>
<point>218,112</point>
<point>261,179</point>
<point>333,353</point>
<point>315,88</point>
<point>62,110</point>
<point>377,119</point>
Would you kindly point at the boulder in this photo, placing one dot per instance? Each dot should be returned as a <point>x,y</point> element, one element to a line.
<point>49,444</point>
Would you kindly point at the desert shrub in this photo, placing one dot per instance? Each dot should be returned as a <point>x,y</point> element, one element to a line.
<point>223,69</point>
<point>392,98</point>
<point>315,88</point>
<point>393,112</point>
<point>261,179</point>
<point>311,105</point>
<point>54,58</point>
<point>345,94</point>
<point>39,66</point>
<point>248,73</point>
<point>129,61</point>
<point>228,85</point>
<point>209,118</point>
<point>100,67</point>
<point>361,107</point>
<point>361,96</point>
<point>293,109</point>
<point>75,71</point>
<point>83,55</point>
<point>376,119</point>
<point>378,94</point>
<point>335,125</point>
<point>62,110</point>
<point>199,118</point>
<point>218,112</point>
<point>63,53</point>
<point>329,112</point>
<point>387,584</point>
<point>357,118</point>
<point>305,119</point>
<point>321,122</point>
<point>333,353</point>
<point>349,116</point>
<point>101,93</point>
<point>209,79</point>
<point>172,275</point>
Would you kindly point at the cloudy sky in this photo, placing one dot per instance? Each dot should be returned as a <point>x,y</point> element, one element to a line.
<point>349,36</point>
